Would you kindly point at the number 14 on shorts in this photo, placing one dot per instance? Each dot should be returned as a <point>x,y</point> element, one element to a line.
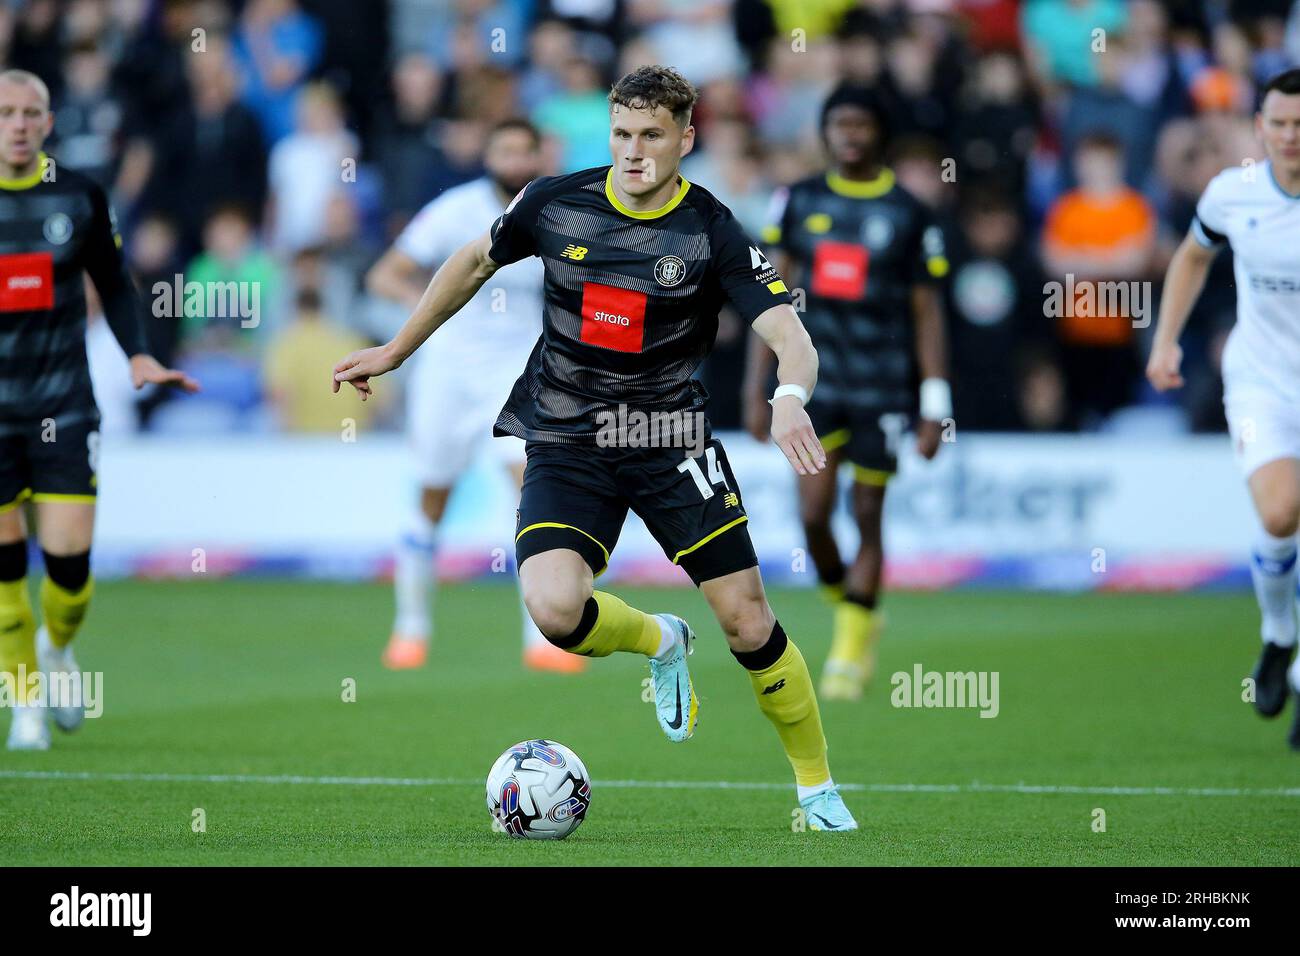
<point>692,467</point>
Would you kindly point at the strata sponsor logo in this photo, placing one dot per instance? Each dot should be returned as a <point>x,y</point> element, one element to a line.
<point>26,281</point>
<point>83,689</point>
<point>946,689</point>
<point>133,910</point>
<point>624,427</point>
<point>613,318</point>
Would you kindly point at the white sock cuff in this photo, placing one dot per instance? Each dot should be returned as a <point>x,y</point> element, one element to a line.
<point>1267,546</point>
<point>667,638</point>
<point>806,792</point>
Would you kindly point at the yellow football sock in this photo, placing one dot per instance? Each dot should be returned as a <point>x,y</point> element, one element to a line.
<point>853,624</point>
<point>785,694</point>
<point>619,627</point>
<point>63,610</point>
<point>832,593</point>
<point>17,636</point>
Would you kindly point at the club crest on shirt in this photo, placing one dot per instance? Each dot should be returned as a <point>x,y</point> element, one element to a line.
<point>670,271</point>
<point>57,229</point>
<point>877,231</point>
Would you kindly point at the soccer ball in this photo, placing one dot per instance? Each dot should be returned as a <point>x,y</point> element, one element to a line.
<point>538,789</point>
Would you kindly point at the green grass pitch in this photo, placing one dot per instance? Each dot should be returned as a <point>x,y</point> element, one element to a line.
<point>227,696</point>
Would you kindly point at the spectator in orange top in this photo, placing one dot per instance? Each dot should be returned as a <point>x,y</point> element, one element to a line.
<point>1098,243</point>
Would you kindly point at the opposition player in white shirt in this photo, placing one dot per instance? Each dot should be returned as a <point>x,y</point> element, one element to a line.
<point>463,377</point>
<point>1256,210</point>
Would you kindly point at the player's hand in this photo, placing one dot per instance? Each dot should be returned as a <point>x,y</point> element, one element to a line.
<point>147,370</point>
<point>929,435</point>
<point>758,417</point>
<point>793,432</point>
<point>1163,367</point>
<point>359,367</point>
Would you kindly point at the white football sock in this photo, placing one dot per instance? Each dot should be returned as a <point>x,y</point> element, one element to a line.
<point>1272,568</point>
<point>667,640</point>
<point>533,636</point>
<point>806,792</point>
<point>414,577</point>
<point>1293,673</point>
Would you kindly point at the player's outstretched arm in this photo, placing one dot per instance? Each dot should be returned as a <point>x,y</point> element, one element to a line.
<point>753,397</point>
<point>396,277</point>
<point>796,365</point>
<point>758,370</point>
<point>462,275</point>
<point>1183,283</point>
<point>121,302</point>
<point>932,362</point>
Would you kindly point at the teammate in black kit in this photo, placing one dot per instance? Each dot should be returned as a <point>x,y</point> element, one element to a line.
<point>55,225</point>
<point>637,262</point>
<point>868,259</point>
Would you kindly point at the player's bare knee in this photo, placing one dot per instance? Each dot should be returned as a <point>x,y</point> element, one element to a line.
<point>748,624</point>
<point>1281,519</point>
<point>556,613</point>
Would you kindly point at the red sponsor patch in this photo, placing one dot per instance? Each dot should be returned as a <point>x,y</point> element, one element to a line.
<point>613,318</point>
<point>839,270</point>
<point>26,282</point>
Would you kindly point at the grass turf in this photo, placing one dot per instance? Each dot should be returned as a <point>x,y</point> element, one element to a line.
<point>246,678</point>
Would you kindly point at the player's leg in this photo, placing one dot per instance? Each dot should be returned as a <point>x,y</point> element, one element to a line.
<point>415,582</point>
<point>818,495</point>
<point>539,653</point>
<point>858,623</point>
<point>28,730</point>
<point>1267,446</point>
<point>63,483</point>
<point>781,683</point>
<point>570,517</point>
<point>65,528</point>
<point>440,432</point>
<point>692,506</point>
<point>1275,491</point>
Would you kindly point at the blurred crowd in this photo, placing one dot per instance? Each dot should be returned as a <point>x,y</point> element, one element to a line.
<point>284,143</point>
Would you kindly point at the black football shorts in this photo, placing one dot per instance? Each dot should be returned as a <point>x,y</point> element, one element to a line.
<point>869,437</point>
<point>577,496</point>
<point>48,460</point>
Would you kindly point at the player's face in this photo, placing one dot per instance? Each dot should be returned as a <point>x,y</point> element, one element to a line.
<point>1278,126</point>
<point>513,160</point>
<point>25,121</point>
<point>852,135</point>
<point>646,147</point>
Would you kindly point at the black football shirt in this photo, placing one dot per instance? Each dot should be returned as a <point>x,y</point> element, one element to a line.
<point>861,246</point>
<point>631,300</point>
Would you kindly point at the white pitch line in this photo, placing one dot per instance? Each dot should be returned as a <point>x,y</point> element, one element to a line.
<point>974,787</point>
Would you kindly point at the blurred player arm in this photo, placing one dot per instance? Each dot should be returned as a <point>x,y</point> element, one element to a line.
<point>454,284</point>
<point>932,363</point>
<point>396,277</point>
<point>796,364</point>
<point>121,303</point>
<point>1183,283</point>
<point>930,265</point>
<point>759,360</point>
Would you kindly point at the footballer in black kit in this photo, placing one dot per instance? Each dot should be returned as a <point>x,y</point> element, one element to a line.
<point>56,228</point>
<point>631,310</point>
<point>638,261</point>
<point>868,260</point>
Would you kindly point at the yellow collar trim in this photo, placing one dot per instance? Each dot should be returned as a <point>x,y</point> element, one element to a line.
<point>31,179</point>
<point>862,188</point>
<point>663,210</point>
